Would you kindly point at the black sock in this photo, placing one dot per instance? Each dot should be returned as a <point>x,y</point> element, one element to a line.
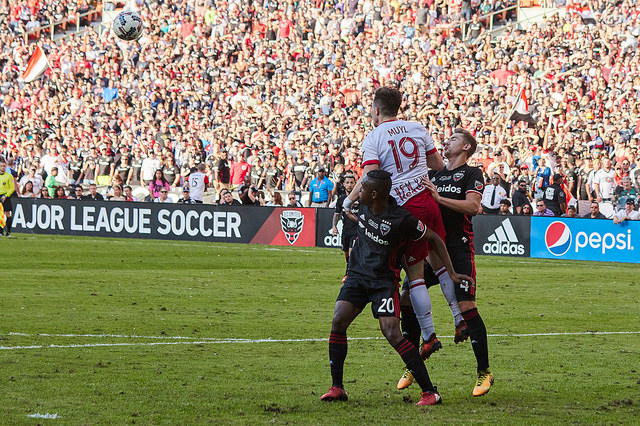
<point>8,224</point>
<point>410,326</point>
<point>478,335</point>
<point>415,364</point>
<point>337,355</point>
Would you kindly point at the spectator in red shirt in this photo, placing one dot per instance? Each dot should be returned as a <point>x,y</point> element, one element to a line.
<point>239,170</point>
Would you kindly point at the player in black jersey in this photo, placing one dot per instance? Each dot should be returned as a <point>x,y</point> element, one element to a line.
<point>458,189</point>
<point>349,226</point>
<point>384,228</point>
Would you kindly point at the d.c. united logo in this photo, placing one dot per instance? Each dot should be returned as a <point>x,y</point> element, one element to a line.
<point>292,222</point>
<point>557,238</point>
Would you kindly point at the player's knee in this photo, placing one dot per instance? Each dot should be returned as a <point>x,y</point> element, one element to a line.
<point>391,332</point>
<point>339,322</point>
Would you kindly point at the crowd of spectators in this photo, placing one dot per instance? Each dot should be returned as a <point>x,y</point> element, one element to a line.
<point>280,90</point>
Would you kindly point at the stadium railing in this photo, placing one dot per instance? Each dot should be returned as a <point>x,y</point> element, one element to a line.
<point>50,29</point>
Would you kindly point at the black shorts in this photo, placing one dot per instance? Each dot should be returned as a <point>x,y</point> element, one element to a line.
<point>6,205</point>
<point>383,295</point>
<point>347,241</point>
<point>463,260</point>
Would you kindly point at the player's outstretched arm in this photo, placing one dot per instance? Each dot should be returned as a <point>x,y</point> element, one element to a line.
<point>436,244</point>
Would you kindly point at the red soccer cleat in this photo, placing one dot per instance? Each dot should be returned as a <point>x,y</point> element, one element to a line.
<point>335,394</point>
<point>430,398</point>
<point>429,347</point>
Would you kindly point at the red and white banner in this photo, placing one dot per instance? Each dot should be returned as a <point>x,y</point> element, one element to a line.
<point>38,64</point>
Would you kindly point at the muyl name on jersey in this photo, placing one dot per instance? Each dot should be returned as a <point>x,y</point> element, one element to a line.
<point>397,130</point>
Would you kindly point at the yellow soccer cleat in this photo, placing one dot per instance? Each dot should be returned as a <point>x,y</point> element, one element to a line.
<point>406,380</point>
<point>483,384</point>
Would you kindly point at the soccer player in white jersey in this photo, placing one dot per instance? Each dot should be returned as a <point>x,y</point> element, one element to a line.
<point>406,150</point>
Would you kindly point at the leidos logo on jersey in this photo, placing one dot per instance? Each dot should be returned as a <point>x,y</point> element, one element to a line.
<point>450,188</point>
<point>292,222</point>
<point>504,241</point>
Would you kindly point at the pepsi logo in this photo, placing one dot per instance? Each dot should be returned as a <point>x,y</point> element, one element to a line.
<point>558,238</point>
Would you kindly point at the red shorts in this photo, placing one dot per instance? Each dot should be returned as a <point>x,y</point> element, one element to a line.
<point>425,209</point>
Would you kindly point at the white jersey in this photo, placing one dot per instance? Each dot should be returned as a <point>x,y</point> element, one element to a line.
<point>196,184</point>
<point>400,148</point>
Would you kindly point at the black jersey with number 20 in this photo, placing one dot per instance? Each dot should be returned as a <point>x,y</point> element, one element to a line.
<point>378,248</point>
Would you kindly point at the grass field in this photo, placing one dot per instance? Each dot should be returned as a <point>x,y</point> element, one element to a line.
<point>187,333</point>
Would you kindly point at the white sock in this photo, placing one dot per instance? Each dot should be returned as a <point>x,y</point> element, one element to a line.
<point>448,289</point>
<point>421,302</point>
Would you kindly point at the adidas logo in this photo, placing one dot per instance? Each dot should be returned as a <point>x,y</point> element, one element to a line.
<point>503,241</point>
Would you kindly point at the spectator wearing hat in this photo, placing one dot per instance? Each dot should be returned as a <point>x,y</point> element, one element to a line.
<point>186,198</point>
<point>321,189</point>
<point>554,196</point>
<point>492,195</point>
<point>594,212</point>
<point>629,212</point>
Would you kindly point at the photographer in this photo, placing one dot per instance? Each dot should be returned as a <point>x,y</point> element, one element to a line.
<point>248,193</point>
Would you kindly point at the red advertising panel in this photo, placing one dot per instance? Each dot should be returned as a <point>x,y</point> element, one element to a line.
<point>287,226</point>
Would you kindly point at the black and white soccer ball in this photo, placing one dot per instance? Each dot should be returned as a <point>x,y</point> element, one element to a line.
<point>127,25</point>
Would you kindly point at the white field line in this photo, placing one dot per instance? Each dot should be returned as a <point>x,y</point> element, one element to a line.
<point>205,341</point>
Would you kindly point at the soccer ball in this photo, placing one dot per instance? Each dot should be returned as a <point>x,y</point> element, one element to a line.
<point>127,25</point>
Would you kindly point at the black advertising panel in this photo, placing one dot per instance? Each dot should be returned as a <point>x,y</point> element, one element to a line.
<point>196,222</point>
<point>502,235</point>
<point>324,223</point>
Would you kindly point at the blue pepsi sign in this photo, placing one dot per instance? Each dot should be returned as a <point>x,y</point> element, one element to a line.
<point>585,239</point>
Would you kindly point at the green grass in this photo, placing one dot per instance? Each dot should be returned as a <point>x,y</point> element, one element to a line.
<point>80,286</point>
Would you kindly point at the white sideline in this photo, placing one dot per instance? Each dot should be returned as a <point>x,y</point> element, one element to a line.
<point>211,340</point>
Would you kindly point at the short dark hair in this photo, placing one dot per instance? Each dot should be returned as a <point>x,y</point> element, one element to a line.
<point>388,100</point>
<point>380,180</point>
<point>467,138</point>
